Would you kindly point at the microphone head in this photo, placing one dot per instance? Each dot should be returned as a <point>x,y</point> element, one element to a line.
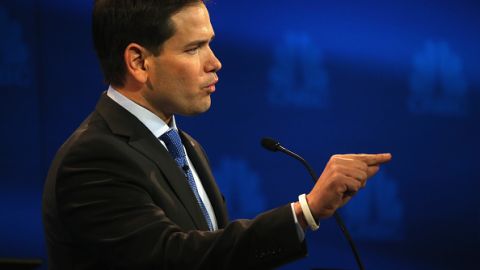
<point>270,144</point>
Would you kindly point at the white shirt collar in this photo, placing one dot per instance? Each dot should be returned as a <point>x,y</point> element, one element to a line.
<point>154,123</point>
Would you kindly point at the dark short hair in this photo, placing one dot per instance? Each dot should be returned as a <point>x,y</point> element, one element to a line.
<point>117,23</point>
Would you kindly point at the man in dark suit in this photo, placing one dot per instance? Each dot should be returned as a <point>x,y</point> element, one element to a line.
<point>129,190</point>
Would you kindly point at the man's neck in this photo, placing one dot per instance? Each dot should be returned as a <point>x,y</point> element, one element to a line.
<point>136,96</point>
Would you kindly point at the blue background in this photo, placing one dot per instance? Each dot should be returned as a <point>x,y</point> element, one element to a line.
<point>323,77</point>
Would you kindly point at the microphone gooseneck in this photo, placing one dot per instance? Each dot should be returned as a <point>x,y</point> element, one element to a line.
<point>274,146</point>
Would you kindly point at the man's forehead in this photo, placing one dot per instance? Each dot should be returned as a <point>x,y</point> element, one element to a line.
<point>193,20</point>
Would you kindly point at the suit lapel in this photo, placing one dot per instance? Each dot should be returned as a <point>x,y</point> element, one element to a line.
<point>173,175</point>
<point>124,123</point>
<point>200,162</point>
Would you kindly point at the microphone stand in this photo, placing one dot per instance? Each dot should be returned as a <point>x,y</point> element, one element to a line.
<point>276,146</point>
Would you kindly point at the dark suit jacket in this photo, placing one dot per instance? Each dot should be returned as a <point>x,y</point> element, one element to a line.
<point>115,199</point>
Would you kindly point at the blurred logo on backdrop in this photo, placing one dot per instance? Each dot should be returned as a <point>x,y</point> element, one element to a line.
<point>298,77</point>
<point>15,68</point>
<point>437,83</point>
<point>240,185</point>
<point>376,212</point>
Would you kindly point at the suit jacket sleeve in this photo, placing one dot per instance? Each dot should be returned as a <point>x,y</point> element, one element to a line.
<point>104,199</point>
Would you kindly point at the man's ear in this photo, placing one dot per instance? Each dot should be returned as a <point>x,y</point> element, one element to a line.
<point>135,56</point>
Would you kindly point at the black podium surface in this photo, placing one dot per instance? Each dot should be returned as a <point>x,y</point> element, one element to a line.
<point>19,264</point>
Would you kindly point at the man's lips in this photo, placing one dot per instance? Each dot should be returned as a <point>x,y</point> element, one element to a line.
<point>211,85</point>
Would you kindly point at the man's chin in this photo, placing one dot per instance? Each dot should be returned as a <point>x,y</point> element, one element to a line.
<point>192,111</point>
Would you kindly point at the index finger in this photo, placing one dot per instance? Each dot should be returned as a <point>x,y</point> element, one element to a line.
<point>371,159</point>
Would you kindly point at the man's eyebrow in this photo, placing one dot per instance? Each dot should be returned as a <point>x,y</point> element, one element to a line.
<point>199,42</point>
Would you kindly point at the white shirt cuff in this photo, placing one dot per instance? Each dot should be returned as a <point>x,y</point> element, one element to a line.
<point>300,232</point>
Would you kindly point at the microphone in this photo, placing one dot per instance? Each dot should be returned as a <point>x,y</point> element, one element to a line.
<point>270,144</point>
<point>274,146</point>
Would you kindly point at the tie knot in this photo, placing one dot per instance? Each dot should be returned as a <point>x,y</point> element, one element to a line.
<point>174,144</point>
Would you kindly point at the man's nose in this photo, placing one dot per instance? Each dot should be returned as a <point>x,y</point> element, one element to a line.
<point>213,63</point>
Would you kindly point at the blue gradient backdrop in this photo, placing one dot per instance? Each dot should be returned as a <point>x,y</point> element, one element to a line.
<point>323,77</point>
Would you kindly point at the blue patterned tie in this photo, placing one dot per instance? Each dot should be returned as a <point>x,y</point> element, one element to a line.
<point>175,147</point>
